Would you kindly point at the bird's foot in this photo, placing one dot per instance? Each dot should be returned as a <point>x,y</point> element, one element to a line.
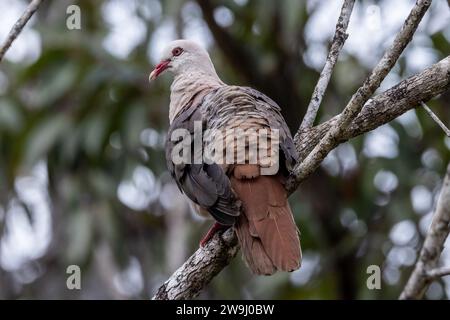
<point>211,232</point>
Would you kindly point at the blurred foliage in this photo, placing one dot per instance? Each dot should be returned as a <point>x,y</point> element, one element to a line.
<point>81,145</point>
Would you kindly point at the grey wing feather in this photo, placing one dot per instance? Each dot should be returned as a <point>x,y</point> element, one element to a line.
<point>205,184</point>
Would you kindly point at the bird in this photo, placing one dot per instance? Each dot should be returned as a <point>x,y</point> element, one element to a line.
<point>246,192</point>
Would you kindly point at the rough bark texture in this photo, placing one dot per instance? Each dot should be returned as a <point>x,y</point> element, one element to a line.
<point>339,38</point>
<point>424,271</point>
<point>188,281</point>
<point>18,26</point>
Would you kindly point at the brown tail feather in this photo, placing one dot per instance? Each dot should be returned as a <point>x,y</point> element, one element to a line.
<point>266,231</point>
<point>252,248</point>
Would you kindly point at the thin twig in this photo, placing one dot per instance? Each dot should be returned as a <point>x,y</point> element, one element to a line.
<point>18,26</point>
<point>339,38</point>
<point>356,103</point>
<point>438,272</point>
<point>432,246</point>
<point>436,119</point>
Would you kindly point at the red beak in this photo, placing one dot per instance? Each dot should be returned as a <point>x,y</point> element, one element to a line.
<point>163,65</point>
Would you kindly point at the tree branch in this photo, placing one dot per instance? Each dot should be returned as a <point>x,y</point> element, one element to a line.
<point>306,167</point>
<point>188,281</point>
<point>432,246</point>
<point>339,38</point>
<point>18,26</point>
<point>424,273</point>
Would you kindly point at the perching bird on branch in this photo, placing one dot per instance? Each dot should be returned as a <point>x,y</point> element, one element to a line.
<point>230,152</point>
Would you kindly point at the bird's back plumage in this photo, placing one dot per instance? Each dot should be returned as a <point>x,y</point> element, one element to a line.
<point>237,194</point>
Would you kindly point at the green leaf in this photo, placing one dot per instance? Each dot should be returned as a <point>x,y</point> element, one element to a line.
<point>10,117</point>
<point>44,136</point>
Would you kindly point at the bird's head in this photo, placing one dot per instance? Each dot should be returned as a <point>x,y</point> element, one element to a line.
<point>182,56</point>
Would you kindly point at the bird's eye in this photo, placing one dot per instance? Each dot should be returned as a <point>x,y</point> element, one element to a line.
<point>177,51</point>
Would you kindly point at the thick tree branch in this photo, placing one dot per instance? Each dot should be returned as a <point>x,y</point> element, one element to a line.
<point>433,245</point>
<point>339,38</point>
<point>18,26</point>
<point>383,108</point>
<point>356,103</point>
<point>200,268</point>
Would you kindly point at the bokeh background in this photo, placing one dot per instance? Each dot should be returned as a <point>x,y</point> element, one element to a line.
<point>82,170</point>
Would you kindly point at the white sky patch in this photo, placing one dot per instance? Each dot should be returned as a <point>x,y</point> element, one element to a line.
<point>401,256</point>
<point>171,197</point>
<point>223,16</point>
<point>310,266</point>
<point>149,137</point>
<point>440,17</point>
<point>425,222</point>
<point>385,181</point>
<point>421,199</point>
<point>161,37</point>
<point>138,192</point>
<point>371,30</point>
<point>241,2</point>
<point>411,124</point>
<point>391,79</point>
<point>127,30</point>
<point>348,217</point>
<point>403,232</point>
<point>316,55</point>
<point>435,291</point>
<point>364,25</point>
<point>431,159</point>
<point>195,27</point>
<point>318,27</point>
<point>149,9</point>
<point>391,275</point>
<point>130,281</point>
<point>382,142</point>
<point>24,241</point>
<point>418,58</point>
<point>341,160</point>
